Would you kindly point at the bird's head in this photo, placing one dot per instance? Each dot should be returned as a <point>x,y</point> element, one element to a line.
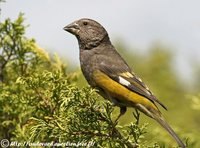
<point>88,32</point>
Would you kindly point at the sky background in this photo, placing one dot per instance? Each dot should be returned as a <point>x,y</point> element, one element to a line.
<point>138,23</point>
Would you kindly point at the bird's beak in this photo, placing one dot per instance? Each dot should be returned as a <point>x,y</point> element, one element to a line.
<point>72,28</point>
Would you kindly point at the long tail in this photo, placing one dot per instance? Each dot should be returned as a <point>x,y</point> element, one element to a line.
<point>166,126</point>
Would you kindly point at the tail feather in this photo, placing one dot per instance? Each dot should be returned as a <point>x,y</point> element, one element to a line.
<point>166,126</point>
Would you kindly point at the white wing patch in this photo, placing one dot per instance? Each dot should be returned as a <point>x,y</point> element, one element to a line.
<point>123,81</point>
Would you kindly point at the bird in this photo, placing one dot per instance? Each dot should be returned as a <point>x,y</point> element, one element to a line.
<point>105,70</point>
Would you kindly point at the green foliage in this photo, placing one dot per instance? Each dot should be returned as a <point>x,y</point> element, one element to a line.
<point>18,55</point>
<point>195,102</point>
<point>65,113</point>
<point>196,75</point>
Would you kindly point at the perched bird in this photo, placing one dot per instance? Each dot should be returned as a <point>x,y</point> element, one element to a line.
<point>107,71</point>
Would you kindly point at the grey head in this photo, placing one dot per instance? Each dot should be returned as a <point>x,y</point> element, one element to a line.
<point>88,32</point>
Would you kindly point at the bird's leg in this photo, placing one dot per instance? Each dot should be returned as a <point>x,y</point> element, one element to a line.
<point>136,114</point>
<point>122,112</point>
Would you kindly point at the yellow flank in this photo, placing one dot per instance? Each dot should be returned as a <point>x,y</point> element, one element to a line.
<point>120,92</point>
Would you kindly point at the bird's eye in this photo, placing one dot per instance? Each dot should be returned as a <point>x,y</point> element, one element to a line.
<point>85,23</point>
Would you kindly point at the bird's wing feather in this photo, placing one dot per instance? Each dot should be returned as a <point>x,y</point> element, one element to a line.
<point>121,73</point>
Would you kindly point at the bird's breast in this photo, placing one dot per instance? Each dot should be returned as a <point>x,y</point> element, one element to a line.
<point>88,64</point>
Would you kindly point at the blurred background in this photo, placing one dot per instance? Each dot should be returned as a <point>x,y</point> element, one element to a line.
<point>159,39</point>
